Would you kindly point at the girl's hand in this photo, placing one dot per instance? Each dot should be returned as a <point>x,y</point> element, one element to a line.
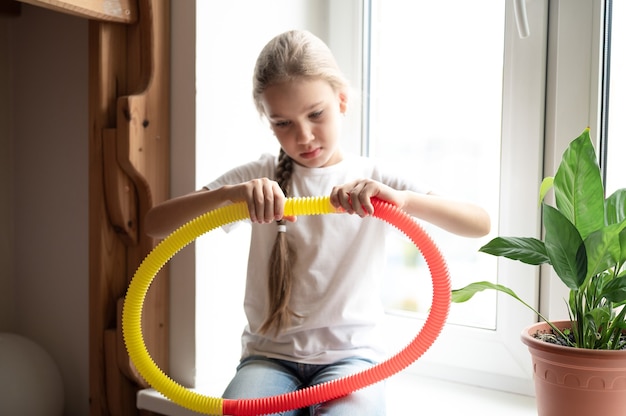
<point>265,199</point>
<point>355,197</point>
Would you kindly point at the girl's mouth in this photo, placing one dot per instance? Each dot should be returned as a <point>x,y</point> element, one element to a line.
<point>312,154</point>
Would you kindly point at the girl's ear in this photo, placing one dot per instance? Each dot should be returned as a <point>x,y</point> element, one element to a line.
<point>343,102</point>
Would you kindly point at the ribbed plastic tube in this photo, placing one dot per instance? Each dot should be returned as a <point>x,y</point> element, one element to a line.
<point>162,253</point>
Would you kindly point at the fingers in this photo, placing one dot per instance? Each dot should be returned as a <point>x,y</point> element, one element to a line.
<point>355,197</point>
<point>265,199</point>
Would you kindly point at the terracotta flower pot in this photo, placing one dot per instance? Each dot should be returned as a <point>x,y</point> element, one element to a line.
<point>575,381</point>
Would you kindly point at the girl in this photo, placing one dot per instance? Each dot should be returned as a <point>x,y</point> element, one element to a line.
<point>311,298</point>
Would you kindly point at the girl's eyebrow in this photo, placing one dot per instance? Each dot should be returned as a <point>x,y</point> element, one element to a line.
<point>308,109</point>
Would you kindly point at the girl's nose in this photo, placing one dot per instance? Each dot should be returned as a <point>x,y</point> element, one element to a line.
<point>304,134</point>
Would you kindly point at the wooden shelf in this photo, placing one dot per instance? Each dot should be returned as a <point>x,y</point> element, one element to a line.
<point>122,11</point>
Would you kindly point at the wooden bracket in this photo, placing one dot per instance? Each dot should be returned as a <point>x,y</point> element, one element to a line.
<point>119,191</point>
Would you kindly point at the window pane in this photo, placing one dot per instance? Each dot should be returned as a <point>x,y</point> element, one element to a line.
<point>616,146</point>
<point>436,99</point>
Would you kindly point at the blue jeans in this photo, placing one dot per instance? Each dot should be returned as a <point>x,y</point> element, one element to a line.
<point>263,377</point>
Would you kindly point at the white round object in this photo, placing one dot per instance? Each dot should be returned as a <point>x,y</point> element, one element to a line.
<point>30,381</point>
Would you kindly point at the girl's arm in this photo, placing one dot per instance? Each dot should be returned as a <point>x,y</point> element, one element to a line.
<point>263,196</point>
<point>456,216</point>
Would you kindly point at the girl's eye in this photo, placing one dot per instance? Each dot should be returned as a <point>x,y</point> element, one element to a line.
<point>281,124</point>
<point>316,114</point>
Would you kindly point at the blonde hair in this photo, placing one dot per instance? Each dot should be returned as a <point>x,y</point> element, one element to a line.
<point>292,55</point>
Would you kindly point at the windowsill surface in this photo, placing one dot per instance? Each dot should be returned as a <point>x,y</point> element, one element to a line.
<point>407,394</point>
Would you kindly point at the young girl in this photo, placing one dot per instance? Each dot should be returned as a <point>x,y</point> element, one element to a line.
<point>311,300</point>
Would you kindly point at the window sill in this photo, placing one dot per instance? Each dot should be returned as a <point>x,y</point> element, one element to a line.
<point>405,391</point>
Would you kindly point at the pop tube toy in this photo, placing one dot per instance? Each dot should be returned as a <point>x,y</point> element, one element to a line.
<point>166,249</point>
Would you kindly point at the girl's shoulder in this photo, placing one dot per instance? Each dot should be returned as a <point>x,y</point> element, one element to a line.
<point>385,172</point>
<point>263,167</point>
<point>366,165</point>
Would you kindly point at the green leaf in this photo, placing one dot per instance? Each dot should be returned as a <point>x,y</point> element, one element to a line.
<point>615,290</point>
<point>603,248</point>
<point>598,317</point>
<point>622,243</point>
<point>578,188</point>
<point>615,213</point>
<point>593,330</point>
<point>615,207</point>
<point>466,293</point>
<point>565,248</point>
<point>546,185</point>
<point>525,249</point>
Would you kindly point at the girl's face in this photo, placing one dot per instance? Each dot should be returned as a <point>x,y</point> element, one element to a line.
<point>305,116</point>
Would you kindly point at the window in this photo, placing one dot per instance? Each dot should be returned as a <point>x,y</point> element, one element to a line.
<point>388,125</point>
<point>533,107</point>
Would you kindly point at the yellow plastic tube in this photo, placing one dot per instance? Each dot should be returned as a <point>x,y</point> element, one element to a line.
<point>162,253</point>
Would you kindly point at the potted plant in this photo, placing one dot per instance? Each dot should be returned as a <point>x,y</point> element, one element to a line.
<point>584,242</point>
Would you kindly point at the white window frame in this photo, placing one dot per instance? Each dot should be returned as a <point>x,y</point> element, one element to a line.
<point>504,363</point>
<point>573,101</point>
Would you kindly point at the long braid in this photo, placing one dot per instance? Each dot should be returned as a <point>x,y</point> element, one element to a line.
<point>282,259</point>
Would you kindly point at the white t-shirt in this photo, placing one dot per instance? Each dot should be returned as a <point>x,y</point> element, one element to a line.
<point>340,260</point>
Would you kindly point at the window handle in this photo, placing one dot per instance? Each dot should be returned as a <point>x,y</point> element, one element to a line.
<point>521,18</point>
